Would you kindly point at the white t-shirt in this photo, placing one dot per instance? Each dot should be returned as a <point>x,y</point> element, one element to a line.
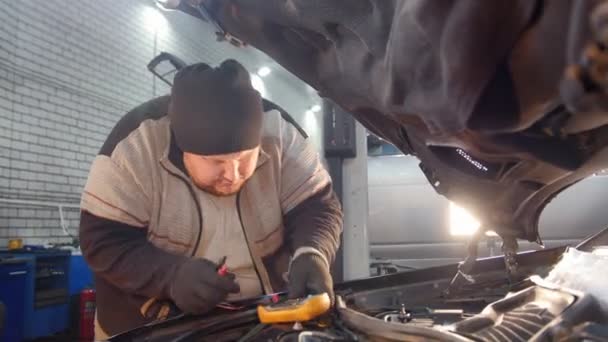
<point>223,235</point>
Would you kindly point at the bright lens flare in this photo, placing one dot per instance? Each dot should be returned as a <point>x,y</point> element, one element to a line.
<point>264,71</point>
<point>461,222</point>
<point>258,84</point>
<point>153,20</point>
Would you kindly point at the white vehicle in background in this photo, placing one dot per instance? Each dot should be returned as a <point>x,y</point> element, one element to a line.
<point>411,226</point>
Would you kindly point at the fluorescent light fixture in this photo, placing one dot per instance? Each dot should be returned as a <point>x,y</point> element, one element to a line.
<point>264,71</point>
<point>316,108</point>
<point>461,222</point>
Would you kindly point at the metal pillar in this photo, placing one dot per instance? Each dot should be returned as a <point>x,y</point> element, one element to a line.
<point>355,240</point>
<point>334,166</point>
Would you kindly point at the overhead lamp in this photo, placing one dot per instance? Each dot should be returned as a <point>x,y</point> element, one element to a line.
<point>462,223</point>
<point>264,71</point>
<point>316,108</point>
<point>154,20</point>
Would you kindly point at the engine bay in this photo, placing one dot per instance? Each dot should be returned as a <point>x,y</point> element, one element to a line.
<point>554,296</point>
<point>534,309</point>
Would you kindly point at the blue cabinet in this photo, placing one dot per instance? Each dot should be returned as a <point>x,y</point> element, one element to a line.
<point>46,309</point>
<point>14,275</point>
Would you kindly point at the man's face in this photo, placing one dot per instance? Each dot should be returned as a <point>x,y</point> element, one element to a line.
<point>224,174</point>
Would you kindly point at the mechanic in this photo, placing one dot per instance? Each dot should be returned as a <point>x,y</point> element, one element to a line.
<point>205,174</point>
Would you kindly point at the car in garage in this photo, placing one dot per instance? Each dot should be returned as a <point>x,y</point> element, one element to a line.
<point>502,105</point>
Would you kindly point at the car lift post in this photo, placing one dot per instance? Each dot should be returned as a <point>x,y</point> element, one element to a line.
<point>345,146</point>
<point>355,202</point>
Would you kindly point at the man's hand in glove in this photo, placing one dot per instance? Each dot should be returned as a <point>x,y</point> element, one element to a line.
<point>197,288</point>
<point>309,274</point>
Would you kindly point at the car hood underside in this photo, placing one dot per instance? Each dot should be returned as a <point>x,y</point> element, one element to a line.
<point>479,91</point>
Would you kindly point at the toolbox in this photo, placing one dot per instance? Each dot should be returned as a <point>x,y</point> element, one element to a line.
<point>14,273</point>
<point>46,290</point>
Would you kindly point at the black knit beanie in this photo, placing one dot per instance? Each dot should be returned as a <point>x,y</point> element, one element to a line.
<point>215,110</point>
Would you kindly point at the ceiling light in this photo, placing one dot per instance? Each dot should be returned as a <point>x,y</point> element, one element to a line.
<point>461,222</point>
<point>264,71</point>
<point>154,20</point>
<point>316,108</point>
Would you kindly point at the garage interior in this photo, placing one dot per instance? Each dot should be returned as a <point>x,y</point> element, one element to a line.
<point>70,70</point>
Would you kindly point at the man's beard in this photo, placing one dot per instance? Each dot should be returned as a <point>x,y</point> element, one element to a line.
<point>217,192</point>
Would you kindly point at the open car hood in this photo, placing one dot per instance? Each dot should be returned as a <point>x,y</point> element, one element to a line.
<point>490,306</point>
<point>499,100</point>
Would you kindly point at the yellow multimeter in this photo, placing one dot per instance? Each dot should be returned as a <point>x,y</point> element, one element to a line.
<point>295,310</point>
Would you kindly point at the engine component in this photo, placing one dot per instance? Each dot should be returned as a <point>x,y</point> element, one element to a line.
<point>509,246</point>
<point>402,316</point>
<point>535,314</point>
<point>312,336</point>
<point>426,317</point>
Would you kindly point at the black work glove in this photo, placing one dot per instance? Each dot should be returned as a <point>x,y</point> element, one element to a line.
<point>197,288</point>
<point>309,274</point>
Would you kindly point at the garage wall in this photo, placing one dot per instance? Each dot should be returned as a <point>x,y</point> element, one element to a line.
<point>68,71</point>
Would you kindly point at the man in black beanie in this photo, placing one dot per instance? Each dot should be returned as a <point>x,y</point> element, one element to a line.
<point>216,117</point>
<point>188,181</point>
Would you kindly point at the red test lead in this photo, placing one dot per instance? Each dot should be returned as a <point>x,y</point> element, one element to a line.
<point>222,269</point>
